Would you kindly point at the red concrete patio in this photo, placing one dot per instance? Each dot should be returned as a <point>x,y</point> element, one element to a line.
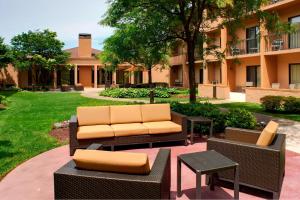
<point>34,178</point>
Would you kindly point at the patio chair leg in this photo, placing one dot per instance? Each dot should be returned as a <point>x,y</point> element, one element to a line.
<point>150,145</point>
<point>275,195</point>
<point>185,142</point>
<point>112,148</point>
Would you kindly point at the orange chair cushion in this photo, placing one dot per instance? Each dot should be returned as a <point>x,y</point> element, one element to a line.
<point>125,114</point>
<point>156,112</point>
<point>120,162</point>
<point>96,115</point>
<point>268,134</point>
<point>95,131</point>
<point>129,129</point>
<point>162,127</point>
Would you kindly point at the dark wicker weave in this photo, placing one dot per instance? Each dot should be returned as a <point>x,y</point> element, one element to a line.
<point>260,167</point>
<point>128,140</point>
<point>72,183</point>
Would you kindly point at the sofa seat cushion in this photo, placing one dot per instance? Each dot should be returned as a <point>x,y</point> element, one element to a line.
<point>268,134</point>
<point>120,162</point>
<point>129,129</point>
<point>156,112</point>
<point>162,127</point>
<point>96,115</point>
<point>95,131</point>
<point>125,114</point>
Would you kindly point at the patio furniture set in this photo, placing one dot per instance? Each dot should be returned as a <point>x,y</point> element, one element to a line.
<point>243,157</point>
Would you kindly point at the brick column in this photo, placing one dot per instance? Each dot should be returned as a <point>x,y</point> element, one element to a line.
<point>95,76</point>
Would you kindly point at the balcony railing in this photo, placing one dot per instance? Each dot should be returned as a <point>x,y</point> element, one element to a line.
<point>283,41</point>
<point>242,47</point>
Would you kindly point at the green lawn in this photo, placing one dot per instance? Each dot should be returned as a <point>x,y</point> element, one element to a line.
<point>254,107</point>
<point>25,124</point>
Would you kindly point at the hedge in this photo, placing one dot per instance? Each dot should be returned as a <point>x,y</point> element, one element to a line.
<point>281,104</point>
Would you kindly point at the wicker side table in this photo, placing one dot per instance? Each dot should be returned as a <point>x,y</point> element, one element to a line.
<point>199,120</point>
<point>209,163</point>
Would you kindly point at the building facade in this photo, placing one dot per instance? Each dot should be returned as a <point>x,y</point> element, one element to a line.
<point>259,64</point>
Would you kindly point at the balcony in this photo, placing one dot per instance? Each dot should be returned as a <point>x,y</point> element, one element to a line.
<point>243,47</point>
<point>282,42</point>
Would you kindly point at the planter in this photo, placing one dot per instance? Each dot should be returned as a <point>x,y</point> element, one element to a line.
<point>79,87</point>
<point>65,88</point>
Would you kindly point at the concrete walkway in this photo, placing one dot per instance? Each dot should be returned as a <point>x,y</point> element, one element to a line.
<point>33,180</point>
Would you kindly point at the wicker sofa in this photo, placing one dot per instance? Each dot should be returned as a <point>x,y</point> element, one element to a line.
<point>125,125</point>
<point>73,183</point>
<point>260,167</point>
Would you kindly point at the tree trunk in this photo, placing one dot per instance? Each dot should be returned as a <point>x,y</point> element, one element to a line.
<point>191,60</point>
<point>54,79</point>
<point>151,96</point>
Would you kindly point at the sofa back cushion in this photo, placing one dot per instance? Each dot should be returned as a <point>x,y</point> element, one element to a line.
<point>125,114</point>
<point>156,112</point>
<point>97,115</point>
<point>268,134</point>
<point>107,161</point>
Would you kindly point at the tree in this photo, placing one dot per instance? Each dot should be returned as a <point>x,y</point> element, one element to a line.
<point>188,21</point>
<point>5,54</point>
<point>130,44</point>
<point>38,51</point>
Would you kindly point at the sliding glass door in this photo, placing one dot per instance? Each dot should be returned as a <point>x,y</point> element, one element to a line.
<point>253,75</point>
<point>294,38</point>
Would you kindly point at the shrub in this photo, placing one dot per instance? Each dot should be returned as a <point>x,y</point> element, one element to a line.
<point>202,109</point>
<point>291,105</point>
<point>134,93</point>
<point>272,103</point>
<point>240,118</point>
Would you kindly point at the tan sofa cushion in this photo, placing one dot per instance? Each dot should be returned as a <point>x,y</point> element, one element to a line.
<point>129,129</point>
<point>125,114</point>
<point>95,131</point>
<point>121,162</point>
<point>156,112</point>
<point>162,127</point>
<point>95,115</point>
<point>268,134</point>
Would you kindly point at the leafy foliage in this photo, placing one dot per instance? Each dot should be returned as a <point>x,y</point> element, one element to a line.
<point>281,104</point>
<point>240,118</point>
<point>139,92</point>
<point>38,50</point>
<point>5,54</point>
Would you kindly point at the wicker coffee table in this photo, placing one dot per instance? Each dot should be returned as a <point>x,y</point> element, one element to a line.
<point>209,163</point>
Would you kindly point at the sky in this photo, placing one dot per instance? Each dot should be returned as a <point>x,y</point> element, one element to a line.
<point>66,17</point>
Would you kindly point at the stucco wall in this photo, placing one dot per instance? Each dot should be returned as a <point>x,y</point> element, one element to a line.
<point>206,90</point>
<point>85,76</point>
<point>283,62</point>
<point>255,94</point>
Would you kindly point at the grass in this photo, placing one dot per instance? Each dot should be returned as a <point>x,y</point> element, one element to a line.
<point>254,107</point>
<point>27,120</point>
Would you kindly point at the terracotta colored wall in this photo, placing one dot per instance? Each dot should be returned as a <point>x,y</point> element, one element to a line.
<point>240,70</point>
<point>9,75</point>
<point>283,62</point>
<point>255,94</point>
<point>206,90</point>
<point>85,76</point>
<point>288,12</point>
<point>158,75</point>
<point>85,47</point>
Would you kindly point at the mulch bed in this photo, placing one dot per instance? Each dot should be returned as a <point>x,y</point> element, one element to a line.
<point>61,134</point>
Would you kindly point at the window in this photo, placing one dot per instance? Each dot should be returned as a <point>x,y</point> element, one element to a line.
<point>252,39</point>
<point>294,38</point>
<point>294,73</point>
<point>253,76</point>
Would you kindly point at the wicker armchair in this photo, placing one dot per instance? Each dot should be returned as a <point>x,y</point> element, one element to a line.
<point>72,183</point>
<point>260,167</point>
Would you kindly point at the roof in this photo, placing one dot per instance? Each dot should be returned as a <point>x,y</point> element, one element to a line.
<point>74,52</point>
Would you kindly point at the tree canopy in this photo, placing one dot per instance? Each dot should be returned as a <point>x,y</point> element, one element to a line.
<point>129,44</point>
<point>188,21</point>
<point>5,54</point>
<point>38,50</point>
